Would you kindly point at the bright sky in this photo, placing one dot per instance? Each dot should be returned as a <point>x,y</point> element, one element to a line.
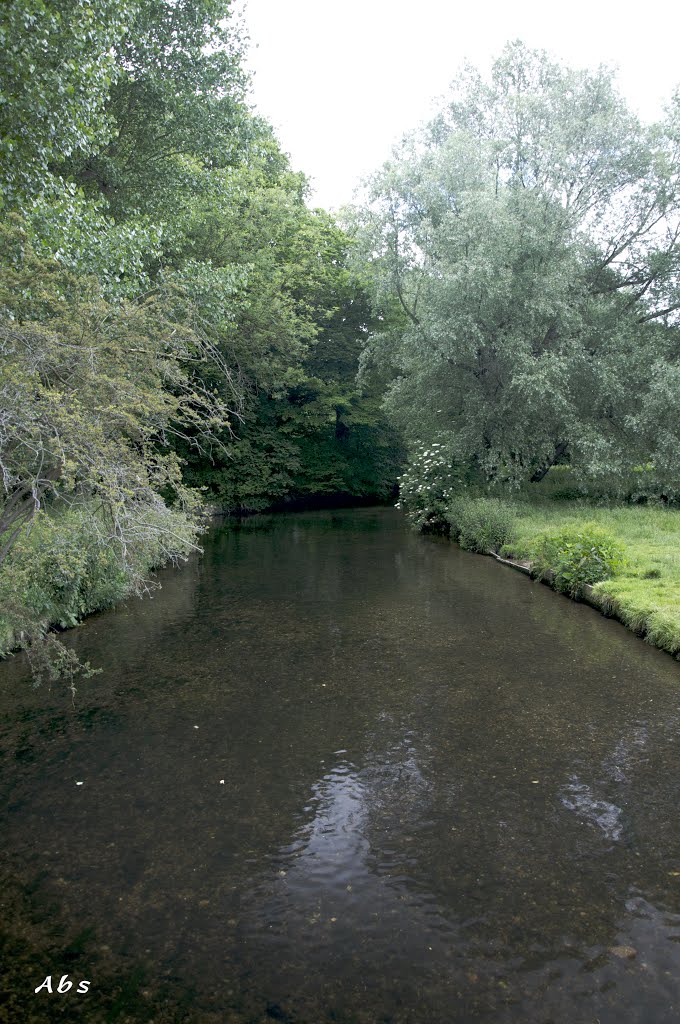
<point>343,80</point>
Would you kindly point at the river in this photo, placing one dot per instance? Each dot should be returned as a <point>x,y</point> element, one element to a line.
<point>336,772</point>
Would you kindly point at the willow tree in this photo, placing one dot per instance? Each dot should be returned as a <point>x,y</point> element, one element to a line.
<point>529,235</point>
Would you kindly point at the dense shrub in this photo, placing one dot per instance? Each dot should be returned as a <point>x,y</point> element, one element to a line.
<point>559,484</point>
<point>68,564</point>
<point>480,524</point>
<point>426,488</point>
<point>576,556</point>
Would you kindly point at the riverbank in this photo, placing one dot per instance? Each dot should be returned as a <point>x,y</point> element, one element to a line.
<point>67,564</point>
<point>61,575</point>
<point>643,589</point>
<point>619,535</point>
<point>645,593</point>
<point>64,566</point>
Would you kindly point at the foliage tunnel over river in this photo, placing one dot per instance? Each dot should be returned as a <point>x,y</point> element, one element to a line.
<point>338,772</point>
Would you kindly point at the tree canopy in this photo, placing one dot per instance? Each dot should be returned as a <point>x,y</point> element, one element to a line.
<point>529,235</point>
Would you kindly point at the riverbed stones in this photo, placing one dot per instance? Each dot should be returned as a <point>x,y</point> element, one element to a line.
<point>623,952</point>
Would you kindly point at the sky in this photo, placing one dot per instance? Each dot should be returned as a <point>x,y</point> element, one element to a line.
<point>342,81</point>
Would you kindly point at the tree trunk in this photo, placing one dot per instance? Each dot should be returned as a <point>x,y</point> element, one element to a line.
<point>560,451</point>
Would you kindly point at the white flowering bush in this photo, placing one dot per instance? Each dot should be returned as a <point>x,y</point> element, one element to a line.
<point>427,487</point>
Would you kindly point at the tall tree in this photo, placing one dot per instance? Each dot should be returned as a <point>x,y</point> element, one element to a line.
<point>529,234</point>
<point>295,332</point>
<point>101,333</point>
<point>92,394</point>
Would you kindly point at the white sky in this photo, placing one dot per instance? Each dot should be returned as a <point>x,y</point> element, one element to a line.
<point>343,80</point>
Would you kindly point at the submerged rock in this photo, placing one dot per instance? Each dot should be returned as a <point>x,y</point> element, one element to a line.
<point>623,952</point>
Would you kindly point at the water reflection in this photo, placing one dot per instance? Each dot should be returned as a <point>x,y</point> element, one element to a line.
<point>341,895</point>
<point>335,772</point>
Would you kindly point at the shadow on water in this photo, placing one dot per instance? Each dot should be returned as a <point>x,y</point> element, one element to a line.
<point>334,772</point>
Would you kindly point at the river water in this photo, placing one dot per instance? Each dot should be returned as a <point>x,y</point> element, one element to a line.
<point>336,772</point>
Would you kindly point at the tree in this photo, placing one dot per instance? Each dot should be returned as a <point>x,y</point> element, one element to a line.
<point>58,66</point>
<point>92,395</point>
<point>113,114</point>
<point>529,234</point>
<point>172,315</point>
<point>175,106</point>
<point>295,332</point>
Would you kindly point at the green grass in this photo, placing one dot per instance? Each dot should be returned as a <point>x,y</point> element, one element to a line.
<point>645,594</point>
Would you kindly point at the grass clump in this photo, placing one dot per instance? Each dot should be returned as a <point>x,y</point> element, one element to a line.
<point>575,557</point>
<point>480,524</point>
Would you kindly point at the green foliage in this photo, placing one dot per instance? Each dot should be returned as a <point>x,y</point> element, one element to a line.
<point>65,566</point>
<point>363,462</point>
<point>175,323</point>
<point>641,485</point>
<point>574,557</point>
<point>92,389</point>
<point>480,523</point>
<point>283,451</point>
<point>58,66</point>
<point>82,236</point>
<point>92,393</point>
<point>176,108</point>
<point>560,483</point>
<point>56,573</point>
<point>529,236</point>
<point>427,486</point>
<point>255,470</point>
<point>297,331</point>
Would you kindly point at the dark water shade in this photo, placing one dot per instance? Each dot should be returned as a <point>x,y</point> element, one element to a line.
<point>334,772</point>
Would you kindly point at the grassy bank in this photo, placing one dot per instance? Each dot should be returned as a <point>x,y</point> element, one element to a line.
<point>620,536</point>
<point>645,591</point>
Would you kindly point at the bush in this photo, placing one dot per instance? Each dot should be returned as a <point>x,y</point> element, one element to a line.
<point>57,571</point>
<point>67,563</point>
<point>426,488</point>
<point>577,556</point>
<point>480,524</point>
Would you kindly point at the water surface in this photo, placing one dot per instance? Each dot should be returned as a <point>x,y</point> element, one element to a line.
<point>335,772</point>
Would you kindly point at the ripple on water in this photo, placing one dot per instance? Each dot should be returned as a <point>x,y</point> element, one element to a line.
<point>577,796</point>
